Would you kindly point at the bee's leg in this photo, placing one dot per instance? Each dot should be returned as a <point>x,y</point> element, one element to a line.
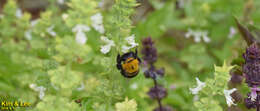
<point>118,62</point>
<point>140,61</point>
<point>118,58</point>
<point>135,55</point>
<point>119,67</point>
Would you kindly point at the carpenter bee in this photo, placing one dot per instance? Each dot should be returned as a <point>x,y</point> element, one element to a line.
<point>129,64</point>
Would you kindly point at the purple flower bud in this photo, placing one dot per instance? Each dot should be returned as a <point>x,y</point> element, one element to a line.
<point>150,74</point>
<point>149,51</point>
<point>252,53</point>
<point>160,71</point>
<point>157,92</point>
<point>164,108</point>
<point>149,57</point>
<point>251,68</point>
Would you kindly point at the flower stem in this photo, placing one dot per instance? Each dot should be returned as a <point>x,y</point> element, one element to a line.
<point>158,100</point>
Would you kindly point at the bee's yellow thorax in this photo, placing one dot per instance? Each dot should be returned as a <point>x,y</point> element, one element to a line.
<point>131,65</point>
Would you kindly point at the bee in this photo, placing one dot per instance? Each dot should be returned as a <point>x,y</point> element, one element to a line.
<point>129,64</point>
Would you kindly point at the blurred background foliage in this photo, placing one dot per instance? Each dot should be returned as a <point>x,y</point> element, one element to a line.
<point>61,65</point>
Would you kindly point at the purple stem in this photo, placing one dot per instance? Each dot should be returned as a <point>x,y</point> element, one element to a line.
<point>158,100</point>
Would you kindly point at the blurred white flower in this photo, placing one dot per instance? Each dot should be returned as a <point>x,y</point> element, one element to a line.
<point>198,35</point>
<point>232,32</point>
<point>97,22</point>
<point>131,41</point>
<point>1,16</point>
<point>196,98</point>
<point>101,3</point>
<point>28,34</point>
<point>34,22</point>
<point>39,89</point>
<point>229,99</point>
<point>125,48</point>
<point>50,31</point>
<point>181,3</point>
<point>61,2</point>
<point>80,30</point>
<point>19,13</point>
<point>199,87</point>
<point>134,86</point>
<point>109,43</point>
<point>82,86</point>
<point>65,16</point>
<point>55,87</point>
<point>81,37</point>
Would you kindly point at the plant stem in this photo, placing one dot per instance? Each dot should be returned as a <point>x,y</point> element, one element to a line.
<point>158,100</point>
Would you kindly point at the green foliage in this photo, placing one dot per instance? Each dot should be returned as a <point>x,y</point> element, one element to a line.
<point>43,50</point>
<point>214,87</point>
<point>126,105</point>
<point>56,103</point>
<point>197,58</point>
<point>52,58</point>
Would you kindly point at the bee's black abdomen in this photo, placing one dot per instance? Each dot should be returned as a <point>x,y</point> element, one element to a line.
<point>129,75</point>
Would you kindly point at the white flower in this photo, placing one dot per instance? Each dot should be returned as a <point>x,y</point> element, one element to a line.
<point>61,2</point>
<point>82,86</point>
<point>81,37</point>
<point>109,43</point>
<point>131,41</point>
<point>19,13</point>
<point>198,35</point>
<point>50,31</point>
<point>134,86</point>
<point>232,32</point>
<point>97,18</point>
<point>199,87</point>
<point>65,16</point>
<point>80,30</point>
<point>125,48</point>
<point>97,22</point>
<point>229,99</point>
<point>28,34</point>
<point>206,38</point>
<point>39,89</point>
<point>34,22</point>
